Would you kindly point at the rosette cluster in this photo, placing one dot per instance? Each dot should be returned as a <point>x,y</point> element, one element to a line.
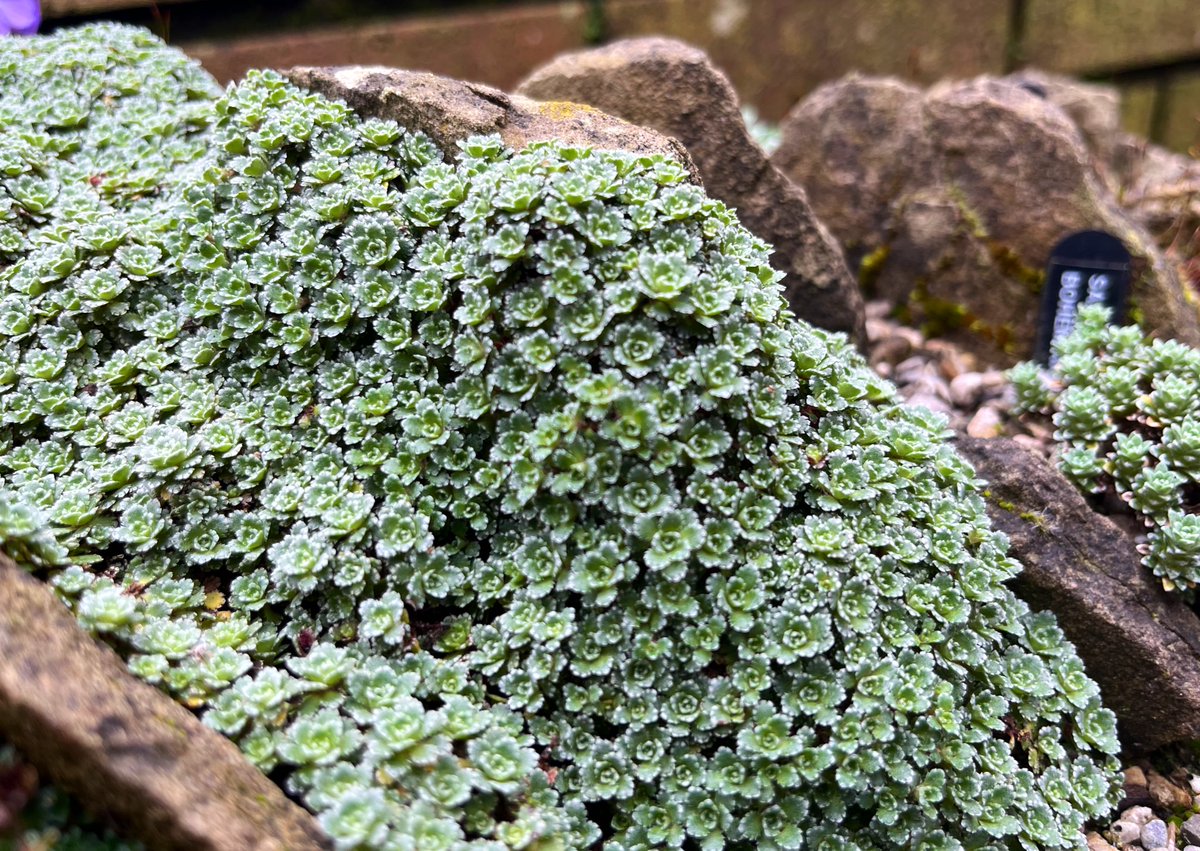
<point>1126,413</point>
<point>500,502</point>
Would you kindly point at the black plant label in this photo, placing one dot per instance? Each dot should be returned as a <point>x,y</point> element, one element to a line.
<point>1088,267</point>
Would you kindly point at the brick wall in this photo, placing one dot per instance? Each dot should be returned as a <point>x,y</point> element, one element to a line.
<point>774,50</point>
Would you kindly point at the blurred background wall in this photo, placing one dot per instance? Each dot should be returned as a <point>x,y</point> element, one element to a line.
<point>775,51</point>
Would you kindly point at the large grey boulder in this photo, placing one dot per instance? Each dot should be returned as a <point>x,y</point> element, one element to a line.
<point>123,747</point>
<point>1139,642</point>
<point>676,90</point>
<point>950,201</point>
<point>449,110</point>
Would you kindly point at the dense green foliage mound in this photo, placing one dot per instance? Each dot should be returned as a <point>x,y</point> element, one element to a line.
<point>501,502</point>
<point>1127,415</point>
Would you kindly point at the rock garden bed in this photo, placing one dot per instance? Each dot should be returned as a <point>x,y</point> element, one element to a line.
<point>426,466</point>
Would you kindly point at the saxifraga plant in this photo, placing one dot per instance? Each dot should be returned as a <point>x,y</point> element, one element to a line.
<point>1126,411</point>
<point>501,503</point>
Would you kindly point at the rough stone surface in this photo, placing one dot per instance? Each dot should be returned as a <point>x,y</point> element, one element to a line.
<point>1135,639</point>
<point>1191,830</point>
<point>1096,842</point>
<point>949,202</point>
<point>450,110</point>
<point>852,144</point>
<point>72,709</point>
<point>1095,108</point>
<point>676,90</point>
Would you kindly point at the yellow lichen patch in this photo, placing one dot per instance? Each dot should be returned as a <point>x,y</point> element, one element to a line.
<point>562,110</point>
<point>870,267</point>
<point>1010,265</point>
<point>938,317</point>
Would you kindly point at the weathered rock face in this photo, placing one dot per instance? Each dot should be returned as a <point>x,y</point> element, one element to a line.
<point>676,90</point>
<point>1094,109</point>
<point>1158,187</point>
<point>450,110</point>
<point>949,202</point>
<point>72,709</point>
<point>1141,644</point>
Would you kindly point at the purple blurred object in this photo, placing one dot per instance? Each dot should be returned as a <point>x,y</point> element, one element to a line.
<point>19,17</point>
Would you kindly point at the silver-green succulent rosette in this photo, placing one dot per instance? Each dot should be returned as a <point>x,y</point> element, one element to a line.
<point>1126,411</point>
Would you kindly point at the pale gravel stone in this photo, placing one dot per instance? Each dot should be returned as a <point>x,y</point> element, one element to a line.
<point>1126,832</point>
<point>1138,815</point>
<point>986,423</point>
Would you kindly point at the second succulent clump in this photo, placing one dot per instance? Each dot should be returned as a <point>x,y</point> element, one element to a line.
<point>1126,410</point>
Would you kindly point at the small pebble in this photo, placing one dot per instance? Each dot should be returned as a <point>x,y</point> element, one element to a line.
<point>910,369</point>
<point>928,370</point>
<point>1134,776</point>
<point>1194,782</point>
<point>1154,834</point>
<point>928,384</point>
<point>1166,794</point>
<point>877,309</point>
<point>931,402</point>
<point>966,389</point>
<point>1191,830</point>
<point>890,351</point>
<point>1096,842</point>
<point>878,329</point>
<point>1028,441</point>
<point>942,348</point>
<point>994,381</point>
<point>915,338</point>
<point>1138,815</point>
<point>1126,832</point>
<point>986,423</point>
